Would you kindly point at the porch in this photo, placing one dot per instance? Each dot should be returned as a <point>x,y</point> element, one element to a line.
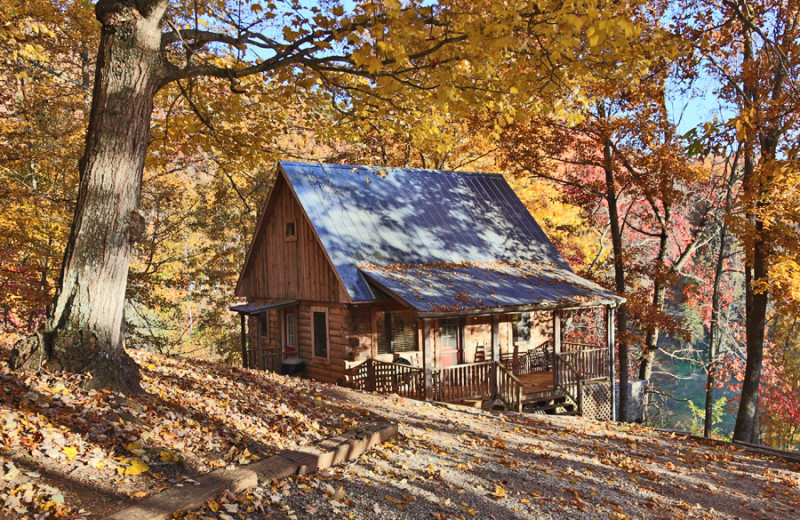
<point>552,376</point>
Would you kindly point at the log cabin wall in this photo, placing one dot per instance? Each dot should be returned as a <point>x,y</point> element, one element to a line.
<point>283,266</point>
<point>362,339</point>
<point>330,368</point>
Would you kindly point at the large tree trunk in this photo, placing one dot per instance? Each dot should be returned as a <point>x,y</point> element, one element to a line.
<point>85,329</point>
<point>757,248</point>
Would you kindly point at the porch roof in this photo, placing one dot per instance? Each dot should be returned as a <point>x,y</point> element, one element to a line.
<point>255,308</point>
<point>442,289</point>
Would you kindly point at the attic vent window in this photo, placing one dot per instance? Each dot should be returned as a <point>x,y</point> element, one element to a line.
<point>291,231</point>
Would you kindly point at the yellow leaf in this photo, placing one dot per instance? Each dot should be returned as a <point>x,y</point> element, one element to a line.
<point>212,505</point>
<point>499,492</point>
<point>168,456</point>
<point>136,467</point>
<point>71,452</point>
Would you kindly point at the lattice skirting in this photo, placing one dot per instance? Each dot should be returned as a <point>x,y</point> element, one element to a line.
<point>596,401</point>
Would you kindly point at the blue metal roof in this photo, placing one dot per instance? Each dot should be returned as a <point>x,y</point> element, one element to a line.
<point>370,216</point>
<point>465,287</point>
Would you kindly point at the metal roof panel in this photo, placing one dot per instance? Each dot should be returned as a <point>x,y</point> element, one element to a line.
<point>385,216</point>
<point>452,288</point>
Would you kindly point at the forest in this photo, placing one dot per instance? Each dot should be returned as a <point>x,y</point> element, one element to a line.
<point>656,142</point>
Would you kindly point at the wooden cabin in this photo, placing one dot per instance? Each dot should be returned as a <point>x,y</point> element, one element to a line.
<point>430,284</point>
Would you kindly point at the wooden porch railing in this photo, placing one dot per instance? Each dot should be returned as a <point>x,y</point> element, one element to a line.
<point>568,379</point>
<point>577,365</point>
<point>537,359</point>
<point>271,359</point>
<point>509,389</point>
<point>387,378</point>
<point>467,381</point>
<point>591,361</point>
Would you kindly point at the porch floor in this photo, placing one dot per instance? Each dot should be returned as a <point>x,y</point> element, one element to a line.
<point>537,382</point>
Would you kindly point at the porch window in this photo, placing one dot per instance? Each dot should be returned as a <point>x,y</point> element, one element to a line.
<point>521,328</point>
<point>319,324</point>
<point>395,332</point>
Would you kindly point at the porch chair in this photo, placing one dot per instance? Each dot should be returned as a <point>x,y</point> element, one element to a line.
<point>480,352</point>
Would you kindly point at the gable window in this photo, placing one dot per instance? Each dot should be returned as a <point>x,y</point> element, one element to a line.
<point>291,230</point>
<point>395,332</point>
<point>319,330</point>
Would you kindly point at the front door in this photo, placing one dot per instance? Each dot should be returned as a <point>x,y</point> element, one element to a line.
<point>289,333</point>
<point>449,349</point>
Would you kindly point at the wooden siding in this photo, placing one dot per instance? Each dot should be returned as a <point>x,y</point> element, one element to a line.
<point>352,336</point>
<point>363,335</point>
<point>281,269</point>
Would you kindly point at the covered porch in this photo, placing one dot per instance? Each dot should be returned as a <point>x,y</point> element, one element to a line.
<point>494,334</point>
<point>554,374</point>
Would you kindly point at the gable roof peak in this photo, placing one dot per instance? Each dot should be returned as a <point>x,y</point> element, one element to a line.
<point>383,216</point>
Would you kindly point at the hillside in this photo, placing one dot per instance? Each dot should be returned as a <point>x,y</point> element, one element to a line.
<point>72,454</point>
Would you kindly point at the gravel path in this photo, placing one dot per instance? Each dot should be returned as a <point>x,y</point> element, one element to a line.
<point>452,462</point>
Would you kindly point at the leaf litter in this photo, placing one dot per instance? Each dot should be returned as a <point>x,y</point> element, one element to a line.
<point>196,416</point>
<point>448,463</point>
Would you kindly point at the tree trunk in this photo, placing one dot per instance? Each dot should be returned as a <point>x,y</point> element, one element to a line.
<point>713,333</point>
<point>659,293</point>
<point>85,329</point>
<point>757,249</point>
<point>619,275</point>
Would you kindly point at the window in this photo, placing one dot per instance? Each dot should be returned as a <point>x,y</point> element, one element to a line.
<point>291,331</point>
<point>521,326</point>
<point>291,231</point>
<point>396,332</point>
<point>319,326</point>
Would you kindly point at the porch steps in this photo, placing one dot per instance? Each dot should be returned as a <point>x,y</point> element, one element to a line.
<point>551,402</point>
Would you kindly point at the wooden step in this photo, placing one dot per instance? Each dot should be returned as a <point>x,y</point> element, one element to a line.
<point>547,395</point>
<point>551,402</point>
<point>549,407</point>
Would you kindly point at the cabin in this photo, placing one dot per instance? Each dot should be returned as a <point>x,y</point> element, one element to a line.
<point>434,285</point>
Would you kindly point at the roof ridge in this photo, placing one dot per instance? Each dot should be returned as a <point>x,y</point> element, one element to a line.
<point>432,171</point>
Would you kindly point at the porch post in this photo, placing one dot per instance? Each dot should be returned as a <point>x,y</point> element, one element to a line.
<point>556,344</point>
<point>427,358</point>
<point>611,369</point>
<point>556,332</point>
<point>495,354</point>
<point>244,341</point>
<point>495,337</point>
<point>259,349</point>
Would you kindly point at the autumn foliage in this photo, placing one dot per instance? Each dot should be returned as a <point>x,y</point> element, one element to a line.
<point>573,101</point>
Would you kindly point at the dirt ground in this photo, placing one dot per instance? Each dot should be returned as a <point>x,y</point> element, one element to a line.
<point>454,462</point>
<point>68,453</point>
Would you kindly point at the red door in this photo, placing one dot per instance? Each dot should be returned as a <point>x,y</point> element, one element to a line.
<point>449,344</point>
<point>289,333</point>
